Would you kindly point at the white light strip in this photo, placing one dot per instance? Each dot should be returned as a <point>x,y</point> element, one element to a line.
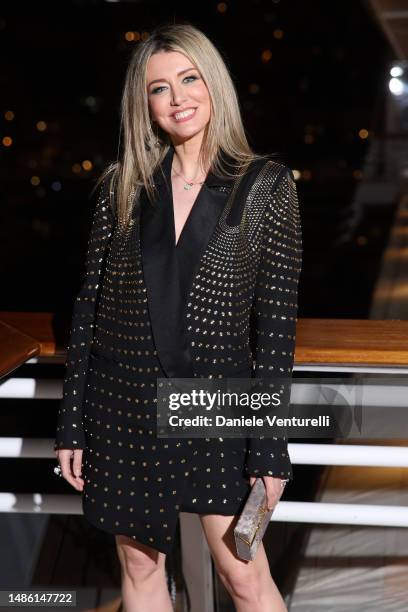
<point>302,393</point>
<point>312,367</point>
<point>18,388</point>
<point>27,448</point>
<point>31,388</point>
<point>34,503</point>
<point>50,359</point>
<point>292,512</point>
<point>302,454</point>
<point>349,454</point>
<point>341,514</point>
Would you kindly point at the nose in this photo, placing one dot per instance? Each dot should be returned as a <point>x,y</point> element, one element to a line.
<point>177,96</point>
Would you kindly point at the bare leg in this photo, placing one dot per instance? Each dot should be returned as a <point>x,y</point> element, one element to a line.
<point>144,587</point>
<point>249,583</point>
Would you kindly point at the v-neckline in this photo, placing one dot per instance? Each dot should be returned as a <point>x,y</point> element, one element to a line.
<point>188,220</point>
<point>169,268</point>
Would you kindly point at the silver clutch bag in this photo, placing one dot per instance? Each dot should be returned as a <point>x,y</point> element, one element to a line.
<point>252,523</point>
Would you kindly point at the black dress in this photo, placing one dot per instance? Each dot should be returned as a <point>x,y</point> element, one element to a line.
<point>222,303</point>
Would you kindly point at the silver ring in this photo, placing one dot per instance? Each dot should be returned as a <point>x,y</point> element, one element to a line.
<point>284,481</point>
<point>57,470</point>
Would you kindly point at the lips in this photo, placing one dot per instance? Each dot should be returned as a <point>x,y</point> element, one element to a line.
<point>183,111</point>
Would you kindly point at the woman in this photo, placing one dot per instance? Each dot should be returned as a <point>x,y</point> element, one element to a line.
<point>181,281</point>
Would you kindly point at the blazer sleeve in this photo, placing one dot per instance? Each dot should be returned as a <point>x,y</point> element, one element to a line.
<point>69,432</point>
<point>274,313</point>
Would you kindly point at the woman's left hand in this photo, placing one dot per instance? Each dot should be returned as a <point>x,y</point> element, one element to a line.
<point>274,488</point>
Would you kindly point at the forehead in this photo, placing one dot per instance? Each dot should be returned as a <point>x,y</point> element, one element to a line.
<point>167,61</point>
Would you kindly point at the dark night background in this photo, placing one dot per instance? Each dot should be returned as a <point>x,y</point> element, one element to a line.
<point>309,75</point>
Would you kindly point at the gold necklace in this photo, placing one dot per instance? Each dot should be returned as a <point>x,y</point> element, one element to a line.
<point>187,184</point>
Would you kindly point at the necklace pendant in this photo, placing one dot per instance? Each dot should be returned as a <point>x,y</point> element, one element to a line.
<point>188,185</point>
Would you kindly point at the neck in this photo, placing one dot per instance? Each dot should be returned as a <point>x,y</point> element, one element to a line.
<point>185,160</point>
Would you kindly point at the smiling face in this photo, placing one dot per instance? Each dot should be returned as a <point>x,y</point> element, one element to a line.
<point>179,100</point>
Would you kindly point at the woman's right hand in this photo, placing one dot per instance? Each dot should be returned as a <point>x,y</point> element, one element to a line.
<point>71,471</point>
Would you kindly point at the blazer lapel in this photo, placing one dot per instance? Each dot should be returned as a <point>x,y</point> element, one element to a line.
<point>196,234</point>
<point>169,270</point>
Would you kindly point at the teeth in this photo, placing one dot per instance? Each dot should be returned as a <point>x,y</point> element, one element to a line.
<point>184,114</point>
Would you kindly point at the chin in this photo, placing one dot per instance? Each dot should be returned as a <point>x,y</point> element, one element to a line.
<point>186,135</point>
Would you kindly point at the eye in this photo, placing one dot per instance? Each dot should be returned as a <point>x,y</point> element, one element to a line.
<point>156,90</point>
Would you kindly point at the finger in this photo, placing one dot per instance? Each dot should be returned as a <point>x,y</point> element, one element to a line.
<point>252,480</point>
<point>271,502</point>
<point>65,463</point>
<point>77,465</point>
<point>279,488</point>
<point>273,492</point>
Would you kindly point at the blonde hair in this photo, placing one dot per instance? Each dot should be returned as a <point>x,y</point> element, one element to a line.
<point>145,144</point>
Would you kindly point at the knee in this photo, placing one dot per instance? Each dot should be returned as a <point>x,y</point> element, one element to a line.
<point>243,582</point>
<point>138,562</point>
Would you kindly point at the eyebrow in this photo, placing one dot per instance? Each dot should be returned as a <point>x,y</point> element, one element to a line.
<point>178,74</point>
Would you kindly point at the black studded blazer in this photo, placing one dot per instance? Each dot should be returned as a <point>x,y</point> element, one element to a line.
<point>222,302</point>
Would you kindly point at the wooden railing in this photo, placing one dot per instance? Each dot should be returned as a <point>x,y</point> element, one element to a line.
<point>15,348</point>
<point>352,342</point>
<point>319,341</point>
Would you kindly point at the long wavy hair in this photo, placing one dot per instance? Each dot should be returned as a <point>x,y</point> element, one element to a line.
<point>145,144</point>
